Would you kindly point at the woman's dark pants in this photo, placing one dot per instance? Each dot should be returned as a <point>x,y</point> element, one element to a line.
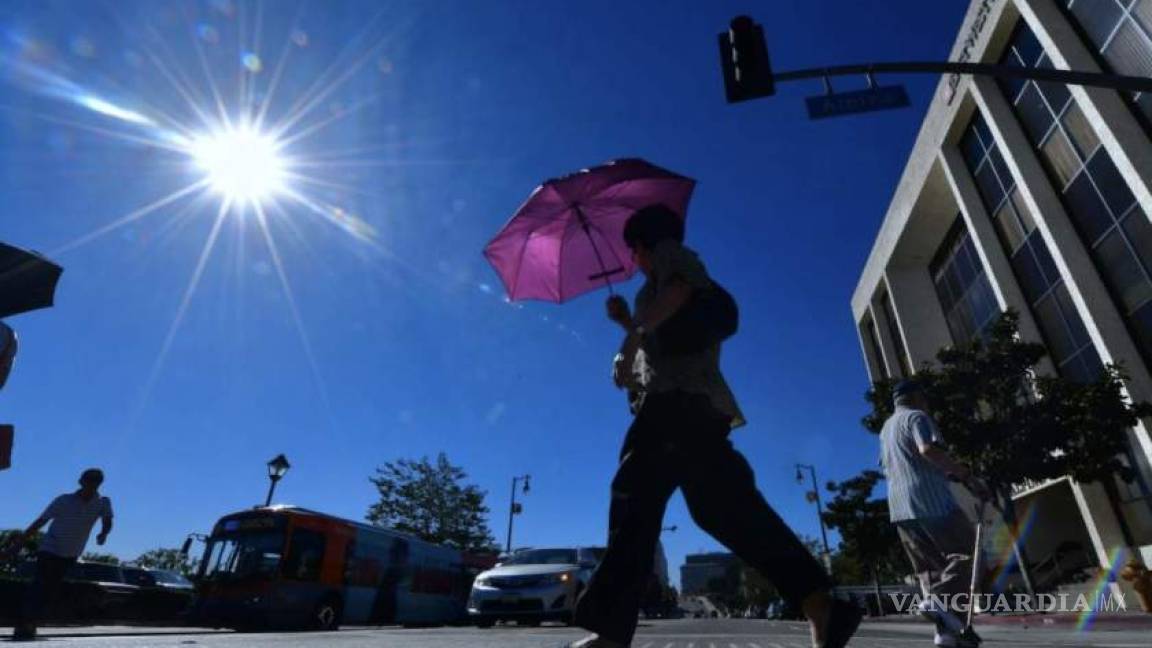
<point>678,440</point>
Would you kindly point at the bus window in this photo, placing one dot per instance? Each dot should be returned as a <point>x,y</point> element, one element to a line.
<point>305,554</point>
<point>241,555</point>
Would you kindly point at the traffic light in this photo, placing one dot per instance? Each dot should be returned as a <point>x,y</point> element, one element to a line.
<point>744,61</point>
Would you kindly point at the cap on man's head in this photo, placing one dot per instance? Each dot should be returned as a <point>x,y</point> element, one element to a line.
<point>905,388</point>
<point>92,475</point>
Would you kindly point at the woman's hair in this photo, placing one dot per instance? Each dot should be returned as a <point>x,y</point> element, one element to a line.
<point>651,225</point>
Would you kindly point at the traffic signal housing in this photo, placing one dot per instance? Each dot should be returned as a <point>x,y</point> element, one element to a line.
<point>744,61</point>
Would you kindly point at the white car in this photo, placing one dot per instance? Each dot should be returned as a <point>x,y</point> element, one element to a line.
<point>533,585</point>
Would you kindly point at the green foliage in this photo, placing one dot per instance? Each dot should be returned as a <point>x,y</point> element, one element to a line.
<point>93,556</point>
<point>1011,426</point>
<point>167,559</point>
<point>870,547</point>
<point>13,552</point>
<point>430,500</point>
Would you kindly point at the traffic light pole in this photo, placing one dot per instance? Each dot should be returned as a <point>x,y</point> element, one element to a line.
<point>1070,77</point>
<point>747,69</point>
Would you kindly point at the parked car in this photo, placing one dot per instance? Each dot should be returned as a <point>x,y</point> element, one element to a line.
<point>532,586</point>
<point>96,590</point>
<point>161,595</point>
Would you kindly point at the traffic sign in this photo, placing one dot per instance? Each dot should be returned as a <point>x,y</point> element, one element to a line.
<point>848,103</point>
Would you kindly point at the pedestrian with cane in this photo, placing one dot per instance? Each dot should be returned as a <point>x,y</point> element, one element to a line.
<point>937,536</point>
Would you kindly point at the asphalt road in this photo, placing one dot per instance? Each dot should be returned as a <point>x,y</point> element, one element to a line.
<point>733,633</point>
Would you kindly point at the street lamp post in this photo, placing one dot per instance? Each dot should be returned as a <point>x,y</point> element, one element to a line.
<point>515,509</point>
<point>277,467</point>
<point>819,509</point>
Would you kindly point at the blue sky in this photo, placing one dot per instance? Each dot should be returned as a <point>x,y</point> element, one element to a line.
<point>458,111</point>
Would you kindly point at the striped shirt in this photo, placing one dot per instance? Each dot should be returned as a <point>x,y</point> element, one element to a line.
<point>916,488</point>
<point>72,520</point>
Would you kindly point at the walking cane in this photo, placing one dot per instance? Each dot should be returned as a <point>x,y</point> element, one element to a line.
<point>980,491</point>
<point>980,510</point>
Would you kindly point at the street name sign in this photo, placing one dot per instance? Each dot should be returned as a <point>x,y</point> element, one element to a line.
<point>848,103</point>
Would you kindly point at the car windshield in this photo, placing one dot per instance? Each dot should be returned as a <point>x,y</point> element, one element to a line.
<point>592,555</point>
<point>543,557</point>
<point>96,572</point>
<point>141,577</point>
<point>243,555</point>
<point>170,578</point>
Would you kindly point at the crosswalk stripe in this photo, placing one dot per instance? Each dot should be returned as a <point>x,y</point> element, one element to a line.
<point>647,645</point>
<point>668,645</point>
<point>752,645</point>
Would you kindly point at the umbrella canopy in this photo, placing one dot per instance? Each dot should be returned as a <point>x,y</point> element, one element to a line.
<point>567,238</point>
<point>27,280</point>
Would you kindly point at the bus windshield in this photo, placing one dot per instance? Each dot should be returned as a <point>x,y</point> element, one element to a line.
<point>243,555</point>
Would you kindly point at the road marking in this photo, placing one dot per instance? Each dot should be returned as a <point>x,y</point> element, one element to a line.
<point>752,645</point>
<point>669,645</point>
<point>647,645</point>
<point>775,645</point>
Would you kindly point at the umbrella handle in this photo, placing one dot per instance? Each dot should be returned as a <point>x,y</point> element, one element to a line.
<point>587,227</point>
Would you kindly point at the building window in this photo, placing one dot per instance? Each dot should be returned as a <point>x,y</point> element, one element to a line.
<point>1102,206</point>
<point>894,335</point>
<point>962,286</point>
<point>870,332</point>
<point>1121,33</point>
<point>1060,323</point>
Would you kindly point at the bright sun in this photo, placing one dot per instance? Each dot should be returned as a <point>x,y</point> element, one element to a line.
<point>242,164</point>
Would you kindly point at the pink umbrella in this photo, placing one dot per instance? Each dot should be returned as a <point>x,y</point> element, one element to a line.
<point>566,239</point>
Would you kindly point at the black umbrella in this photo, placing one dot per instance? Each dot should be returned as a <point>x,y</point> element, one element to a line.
<point>27,280</point>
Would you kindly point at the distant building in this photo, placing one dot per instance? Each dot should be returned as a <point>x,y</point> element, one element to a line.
<point>710,573</point>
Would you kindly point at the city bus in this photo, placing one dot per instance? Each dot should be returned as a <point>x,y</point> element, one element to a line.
<point>284,566</point>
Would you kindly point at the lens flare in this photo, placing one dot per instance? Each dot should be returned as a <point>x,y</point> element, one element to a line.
<point>241,164</point>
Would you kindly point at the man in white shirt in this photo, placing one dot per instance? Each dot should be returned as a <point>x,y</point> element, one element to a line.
<point>72,515</point>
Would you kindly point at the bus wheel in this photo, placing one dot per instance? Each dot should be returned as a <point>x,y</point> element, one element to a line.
<point>326,617</point>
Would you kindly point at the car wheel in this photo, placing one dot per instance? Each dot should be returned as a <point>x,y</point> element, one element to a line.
<point>326,617</point>
<point>485,623</point>
<point>531,623</point>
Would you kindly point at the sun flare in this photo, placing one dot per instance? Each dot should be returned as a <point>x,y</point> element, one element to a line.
<point>242,164</point>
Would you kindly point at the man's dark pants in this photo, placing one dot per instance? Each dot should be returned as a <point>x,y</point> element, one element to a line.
<point>50,571</point>
<point>678,440</point>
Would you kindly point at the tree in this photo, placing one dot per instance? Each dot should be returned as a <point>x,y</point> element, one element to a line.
<point>431,502</point>
<point>1013,426</point>
<point>93,556</point>
<point>167,559</point>
<point>870,548</point>
<point>13,552</point>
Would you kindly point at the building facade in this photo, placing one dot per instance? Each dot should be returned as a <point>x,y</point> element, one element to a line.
<point>710,573</point>
<point>1034,197</point>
